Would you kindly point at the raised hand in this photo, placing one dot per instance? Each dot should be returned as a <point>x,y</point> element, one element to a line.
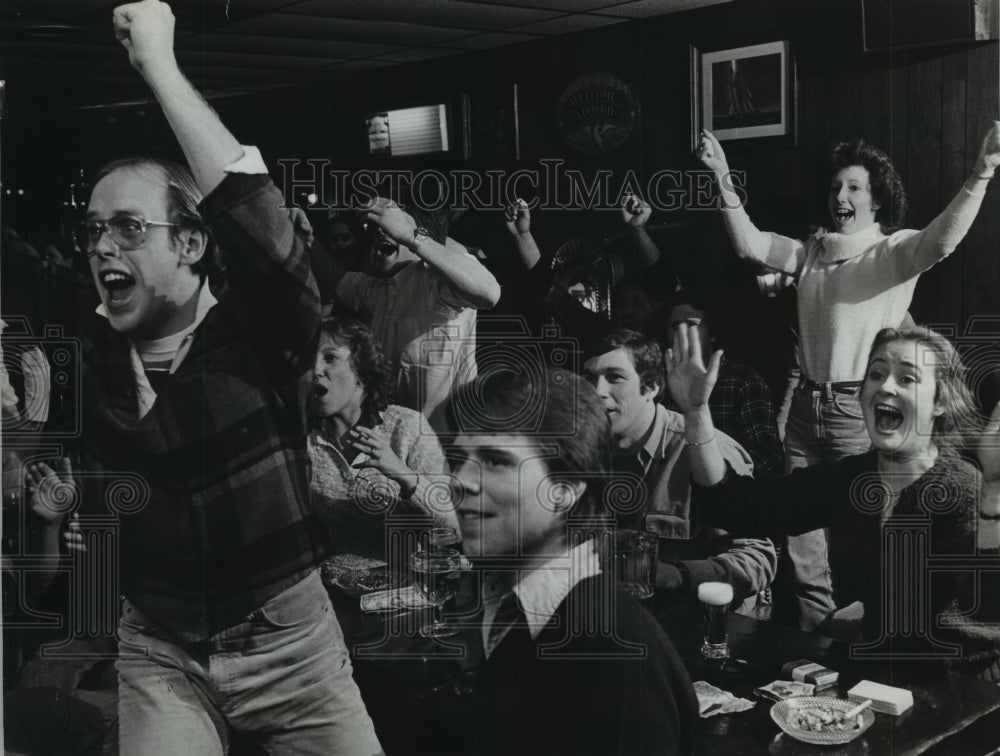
<point>146,30</point>
<point>395,222</point>
<point>380,454</point>
<point>690,381</point>
<point>711,154</point>
<point>50,493</point>
<point>989,152</point>
<point>518,218</point>
<point>635,212</point>
<point>73,537</point>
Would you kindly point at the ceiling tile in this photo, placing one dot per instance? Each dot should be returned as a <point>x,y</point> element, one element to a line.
<point>488,40</point>
<point>417,54</point>
<point>55,9</point>
<point>648,8</point>
<point>569,6</point>
<point>318,27</point>
<point>446,13</point>
<point>355,66</point>
<point>255,5</point>
<point>246,60</point>
<point>58,49</point>
<point>261,45</point>
<point>567,24</point>
<point>335,49</point>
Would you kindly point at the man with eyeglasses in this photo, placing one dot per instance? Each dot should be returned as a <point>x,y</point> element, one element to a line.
<point>225,624</point>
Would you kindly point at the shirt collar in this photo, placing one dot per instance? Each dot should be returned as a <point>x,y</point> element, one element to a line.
<point>541,591</point>
<point>838,247</point>
<point>666,421</point>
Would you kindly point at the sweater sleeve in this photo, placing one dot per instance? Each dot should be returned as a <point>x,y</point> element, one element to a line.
<point>422,453</point>
<point>748,564</point>
<point>912,253</point>
<point>765,247</point>
<point>271,285</point>
<point>808,499</point>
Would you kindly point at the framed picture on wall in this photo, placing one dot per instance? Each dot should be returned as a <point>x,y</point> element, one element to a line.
<point>743,92</point>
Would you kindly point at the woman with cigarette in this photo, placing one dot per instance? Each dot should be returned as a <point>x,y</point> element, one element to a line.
<point>854,279</point>
<point>370,459</point>
<point>894,512</point>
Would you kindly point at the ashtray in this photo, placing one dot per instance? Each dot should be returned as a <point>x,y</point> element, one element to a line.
<point>816,719</point>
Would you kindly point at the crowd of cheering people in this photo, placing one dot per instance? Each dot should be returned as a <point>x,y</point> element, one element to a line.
<point>285,412</point>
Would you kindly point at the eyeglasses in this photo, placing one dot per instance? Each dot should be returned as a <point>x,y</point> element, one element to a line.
<point>126,231</point>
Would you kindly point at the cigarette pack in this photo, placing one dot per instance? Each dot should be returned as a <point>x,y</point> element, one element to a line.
<point>807,671</point>
<point>394,599</point>
<point>884,698</point>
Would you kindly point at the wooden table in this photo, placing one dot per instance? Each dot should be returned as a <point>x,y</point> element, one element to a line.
<point>414,689</point>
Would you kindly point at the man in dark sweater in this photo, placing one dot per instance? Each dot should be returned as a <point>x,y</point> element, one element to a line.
<point>572,665</point>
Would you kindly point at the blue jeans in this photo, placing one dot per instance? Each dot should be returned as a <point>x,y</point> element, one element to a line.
<point>823,425</point>
<point>283,677</point>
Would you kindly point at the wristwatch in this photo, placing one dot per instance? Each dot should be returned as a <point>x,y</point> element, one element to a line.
<point>420,235</point>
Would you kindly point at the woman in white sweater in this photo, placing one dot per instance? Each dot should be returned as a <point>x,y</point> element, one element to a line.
<point>853,281</point>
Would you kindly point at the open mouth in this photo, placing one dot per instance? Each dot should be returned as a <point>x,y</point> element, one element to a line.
<point>843,215</point>
<point>320,391</point>
<point>887,419</point>
<point>118,286</point>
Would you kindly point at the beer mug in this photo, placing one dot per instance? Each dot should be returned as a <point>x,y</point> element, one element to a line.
<point>634,554</point>
<point>715,601</point>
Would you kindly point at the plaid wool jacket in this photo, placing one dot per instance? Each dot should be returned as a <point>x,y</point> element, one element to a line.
<point>214,516</point>
<point>742,407</point>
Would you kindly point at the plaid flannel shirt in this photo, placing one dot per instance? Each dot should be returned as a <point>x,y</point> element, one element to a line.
<point>227,522</point>
<point>742,407</point>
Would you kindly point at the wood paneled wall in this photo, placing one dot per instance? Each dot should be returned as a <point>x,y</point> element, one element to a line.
<point>928,108</point>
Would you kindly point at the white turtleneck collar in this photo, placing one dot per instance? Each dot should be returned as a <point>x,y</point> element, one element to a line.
<point>838,247</point>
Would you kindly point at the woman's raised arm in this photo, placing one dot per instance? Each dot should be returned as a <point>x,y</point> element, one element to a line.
<point>773,250</point>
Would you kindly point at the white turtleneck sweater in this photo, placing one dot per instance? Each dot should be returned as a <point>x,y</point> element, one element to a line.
<point>853,285</point>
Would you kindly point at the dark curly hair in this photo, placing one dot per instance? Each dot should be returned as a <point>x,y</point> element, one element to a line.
<point>886,186</point>
<point>367,360</point>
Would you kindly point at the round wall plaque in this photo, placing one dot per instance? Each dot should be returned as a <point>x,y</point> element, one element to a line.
<point>597,113</point>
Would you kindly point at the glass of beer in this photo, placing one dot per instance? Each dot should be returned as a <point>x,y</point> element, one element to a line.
<point>715,601</point>
<point>436,574</point>
<point>444,538</point>
<point>634,553</point>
